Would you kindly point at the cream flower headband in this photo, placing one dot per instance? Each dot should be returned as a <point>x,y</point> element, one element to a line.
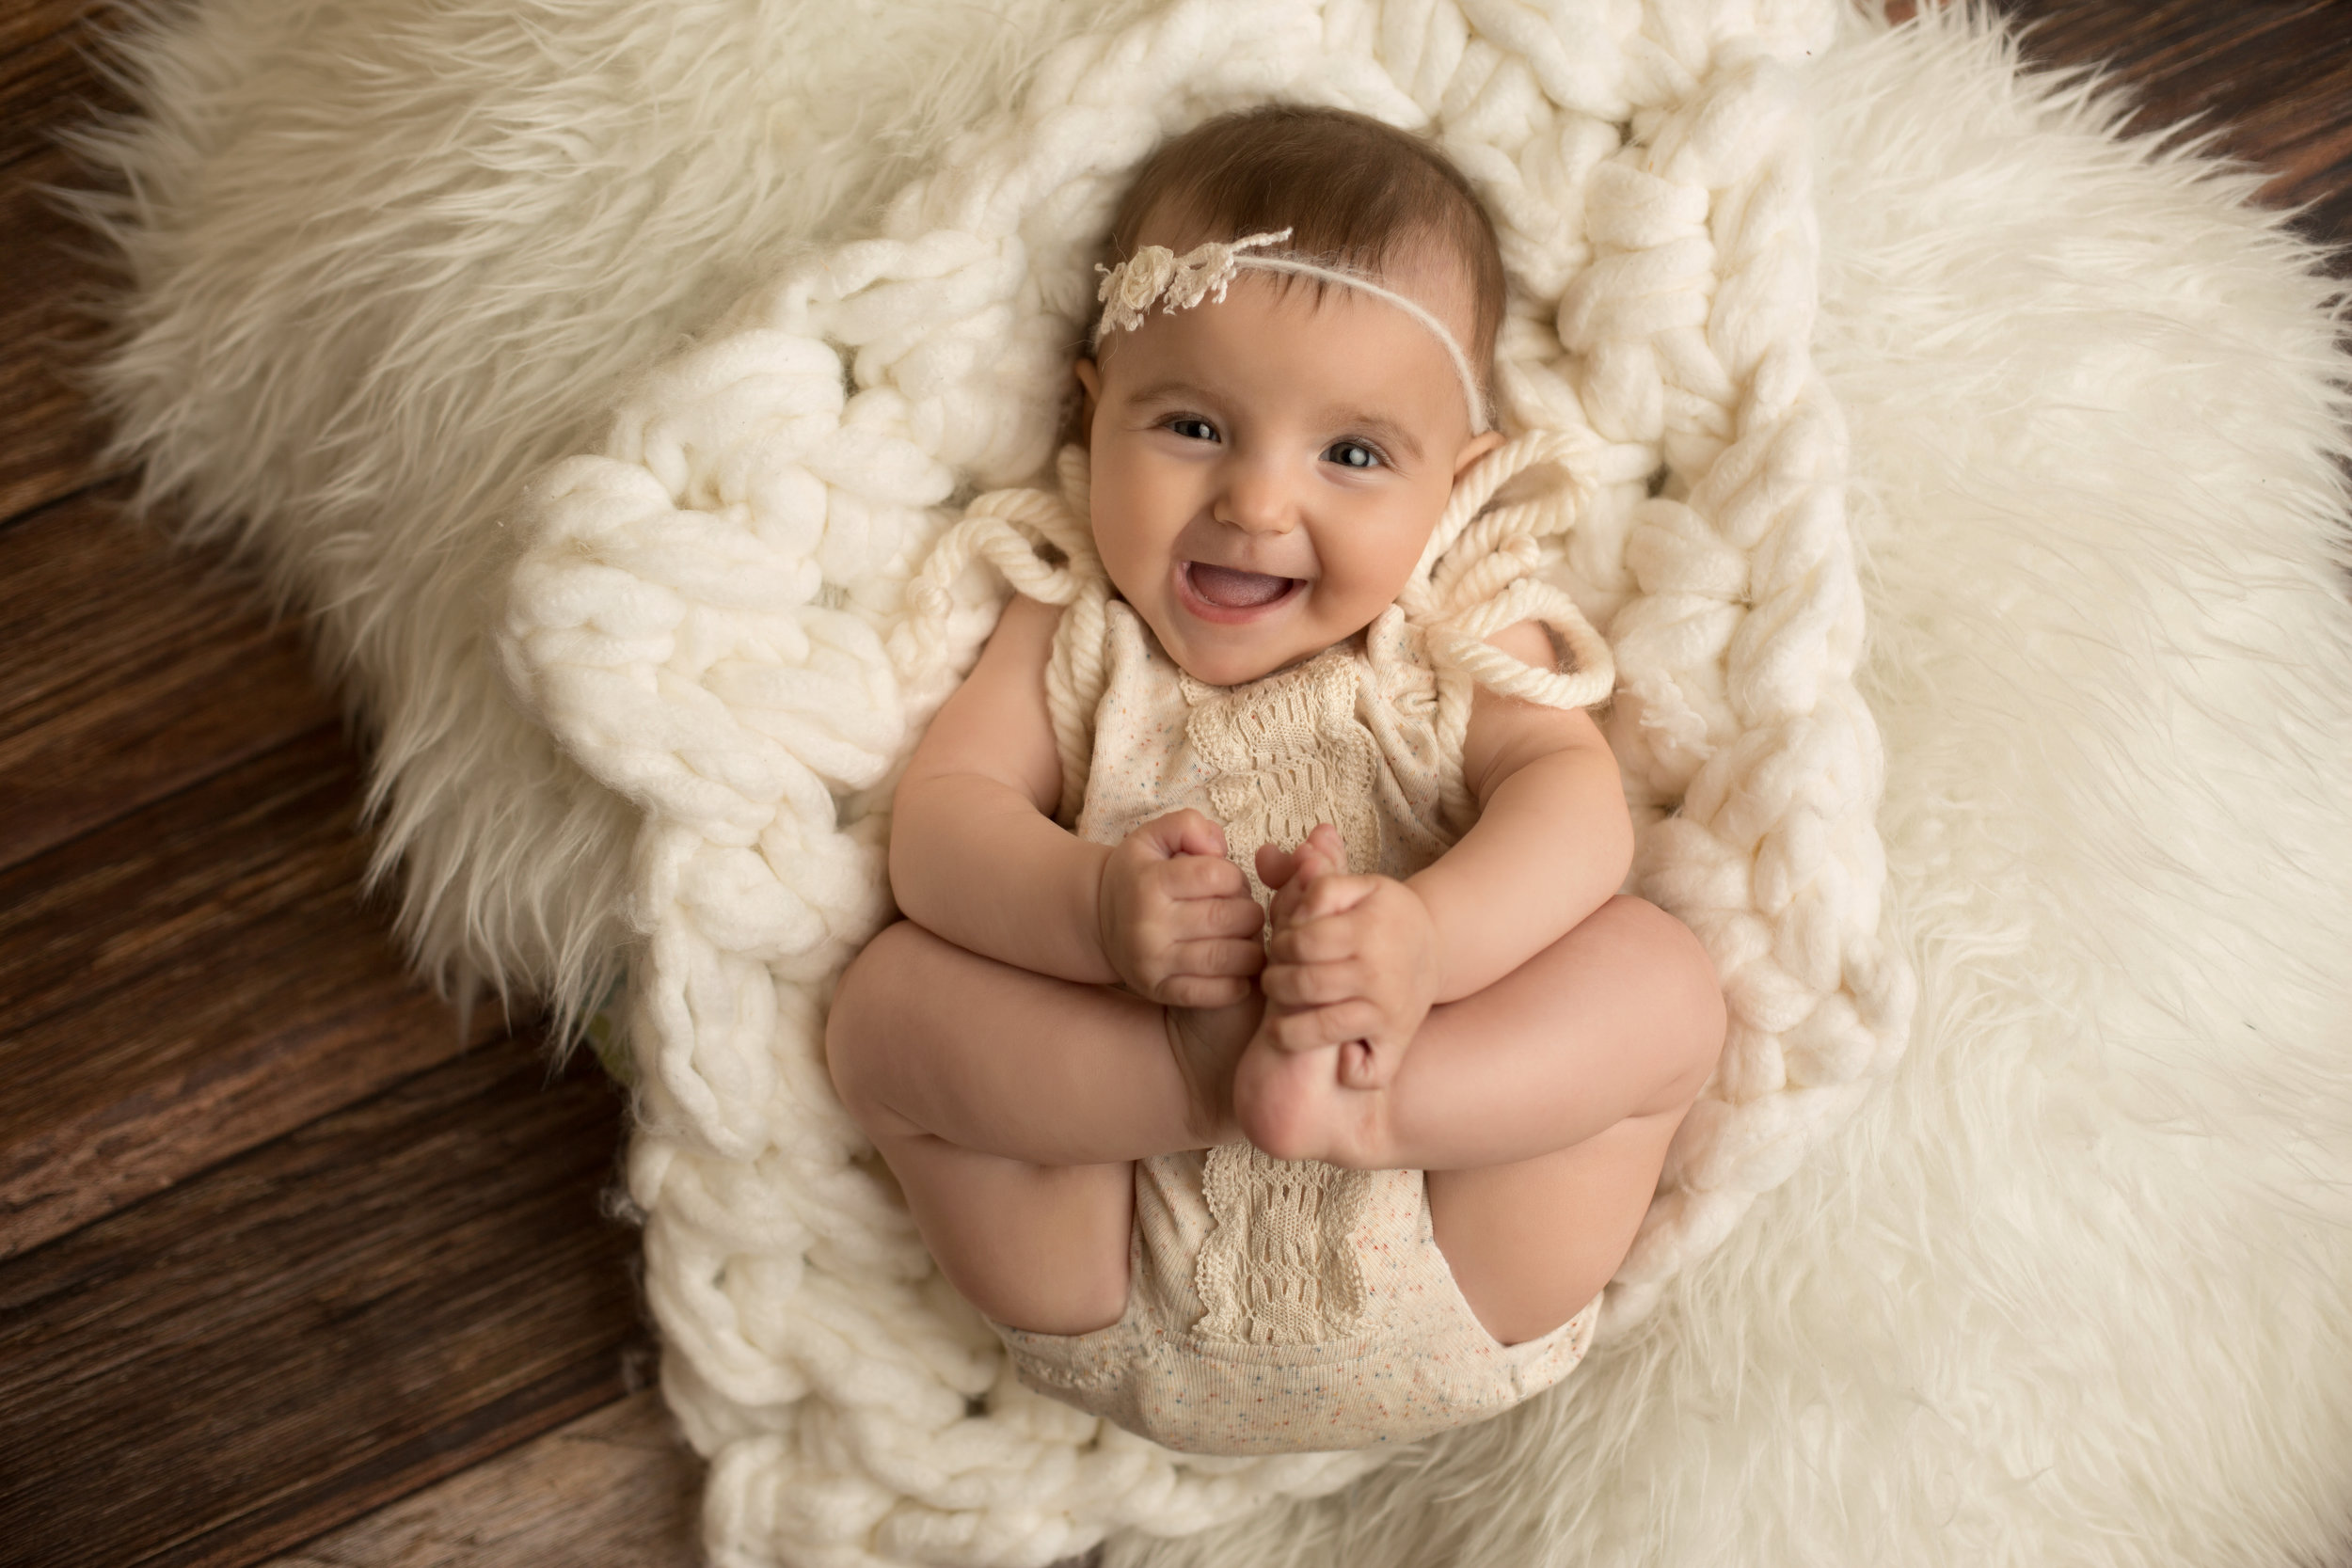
<point>1156,274</point>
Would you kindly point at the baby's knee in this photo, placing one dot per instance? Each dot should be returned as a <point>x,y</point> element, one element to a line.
<point>1679,976</point>
<point>858,1023</point>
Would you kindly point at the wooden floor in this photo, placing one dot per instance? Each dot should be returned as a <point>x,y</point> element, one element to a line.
<point>293,1269</point>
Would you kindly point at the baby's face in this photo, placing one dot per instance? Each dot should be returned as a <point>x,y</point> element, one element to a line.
<point>1266,470</point>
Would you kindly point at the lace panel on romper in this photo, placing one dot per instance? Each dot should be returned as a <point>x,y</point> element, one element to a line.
<point>1287,751</point>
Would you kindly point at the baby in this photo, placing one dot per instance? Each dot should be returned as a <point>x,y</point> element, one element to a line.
<point>1350,1165</point>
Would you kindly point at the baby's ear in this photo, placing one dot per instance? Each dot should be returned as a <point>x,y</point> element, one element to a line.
<point>1476,448</point>
<point>1080,427</point>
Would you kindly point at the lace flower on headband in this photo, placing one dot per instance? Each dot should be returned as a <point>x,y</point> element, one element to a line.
<point>1156,275</point>
<point>1130,289</point>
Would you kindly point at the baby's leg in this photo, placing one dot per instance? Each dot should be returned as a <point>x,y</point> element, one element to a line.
<point>1010,1106</point>
<point>1541,1108</point>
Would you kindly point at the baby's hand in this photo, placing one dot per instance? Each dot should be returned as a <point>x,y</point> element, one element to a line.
<point>1177,921</point>
<point>1353,962</point>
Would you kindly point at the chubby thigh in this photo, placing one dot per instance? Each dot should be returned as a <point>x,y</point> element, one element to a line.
<point>1542,1109</point>
<point>1010,1106</point>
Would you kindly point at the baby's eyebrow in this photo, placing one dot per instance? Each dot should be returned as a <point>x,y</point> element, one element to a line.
<point>1173,389</point>
<point>1381,429</point>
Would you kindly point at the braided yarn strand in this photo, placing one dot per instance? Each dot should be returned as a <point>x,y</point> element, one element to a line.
<point>1473,580</point>
<point>1016,531</point>
<point>739,610</point>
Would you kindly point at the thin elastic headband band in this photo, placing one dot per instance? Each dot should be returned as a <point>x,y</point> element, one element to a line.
<point>1156,275</point>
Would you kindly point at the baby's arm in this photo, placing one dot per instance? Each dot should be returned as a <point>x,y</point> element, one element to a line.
<point>1364,958</point>
<point>1552,842</point>
<point>976,859</point>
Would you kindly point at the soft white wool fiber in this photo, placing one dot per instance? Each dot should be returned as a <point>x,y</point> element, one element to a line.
<point>2066,1294</point>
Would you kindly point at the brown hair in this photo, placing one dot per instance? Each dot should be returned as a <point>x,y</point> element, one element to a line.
<point>1352,191</point>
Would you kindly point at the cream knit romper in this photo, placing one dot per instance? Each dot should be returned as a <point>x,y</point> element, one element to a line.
<point>1284,1307</point>
<point>1279,1305</point>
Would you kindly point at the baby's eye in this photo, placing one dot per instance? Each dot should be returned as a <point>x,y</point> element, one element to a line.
<point>1351,454</point>
<point>1192,429</point>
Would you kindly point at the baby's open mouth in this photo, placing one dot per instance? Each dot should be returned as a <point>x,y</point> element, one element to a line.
<point>1229,589</point>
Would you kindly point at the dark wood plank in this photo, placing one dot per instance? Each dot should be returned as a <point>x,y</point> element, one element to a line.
<point>48,333</point>
<point>130,671</point>
<point>615,1489</point>
<point>194,979</point>
<point>48,75</point>
<point>30,25</point>
<point>49,83</point>
<point>269,836</point>
<point>327,1322</point>
<point>2272,77</point>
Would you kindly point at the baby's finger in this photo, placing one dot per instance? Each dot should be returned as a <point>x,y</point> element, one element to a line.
<point>1313,941</point>
<point>1276,866</point>
<point>1202,877</point>
<point>1201,990</point>
<point>1184,832</point>
<point>1193,918</point>
<point>1230,916</point>
<point>1333,894</point>
<point>1286,899</point>
<point>1314,985</point>
<point>1221,955</point>
<point>1321,854</point>
<point>1316,1027</point>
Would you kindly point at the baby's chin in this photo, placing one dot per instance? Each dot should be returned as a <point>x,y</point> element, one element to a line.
<point>1237,655</point>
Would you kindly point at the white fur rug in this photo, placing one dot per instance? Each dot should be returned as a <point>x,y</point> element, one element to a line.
<point>2063,1291</point>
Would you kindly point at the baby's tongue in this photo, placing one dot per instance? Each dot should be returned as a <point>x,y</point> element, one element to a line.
<point>1228,589</point>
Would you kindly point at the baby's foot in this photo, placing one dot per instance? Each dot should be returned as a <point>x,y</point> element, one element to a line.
<point>1291,1104</point>
<point>1309,1102</point>
<point>1207,1043</point>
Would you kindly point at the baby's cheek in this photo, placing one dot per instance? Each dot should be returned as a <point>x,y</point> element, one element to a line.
<point>1361,578</point>
<point>1371,565</point>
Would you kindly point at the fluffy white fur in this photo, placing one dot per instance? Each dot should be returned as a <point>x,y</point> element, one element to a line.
<point>386,260</point>
<point>2068,1291</point>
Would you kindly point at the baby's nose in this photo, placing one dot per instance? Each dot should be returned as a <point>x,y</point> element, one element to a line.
<point>1259,498</point>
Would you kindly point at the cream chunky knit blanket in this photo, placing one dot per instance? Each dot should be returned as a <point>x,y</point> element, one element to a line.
<point>703,615</point>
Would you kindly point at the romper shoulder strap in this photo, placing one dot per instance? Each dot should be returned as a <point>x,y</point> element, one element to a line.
<point>1040,543</point>
<point>1477,575</point>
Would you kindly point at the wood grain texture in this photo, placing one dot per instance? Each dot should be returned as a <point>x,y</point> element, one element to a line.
<point>48,75</point>
<point>132,670</point>
<point>2272,79</point>
<point>615,1489</point>
<point>326,1323</point>
<point>47,333</point>
<point>48,84</point>
<point>191,980</point>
